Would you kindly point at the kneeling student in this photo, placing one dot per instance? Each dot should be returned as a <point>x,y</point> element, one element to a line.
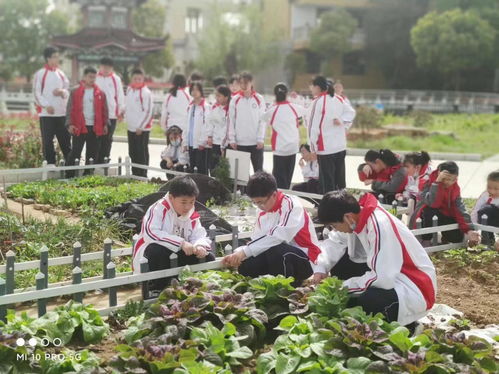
<point>400,281</point>
<point>171,225</point>
<point>284,240</point>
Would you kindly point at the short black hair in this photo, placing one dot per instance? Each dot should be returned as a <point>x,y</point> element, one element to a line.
<point>449,166</point>
<point>234,78</point>
<point>306,146</point>
<point>197,85</point>
<point>335,204</point>
<point>224,90</point>
<point>246,75</point>
<point>219,81</point>
<point>196,77</point>
<point>137,71</point>
<point>494,176</point>
<point>89,70</point>
<point>183,186</point>
<point>261,184</point>
<point>48,52</point>
<point>280,92</point>
<point>107,61</point>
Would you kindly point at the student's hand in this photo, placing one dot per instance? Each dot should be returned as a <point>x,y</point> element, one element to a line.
<point>259,145</point>
<point>106,130</point>
<point>473,238</point>
<point>71,129</point>
<point>169,164</point>
<point>58,92</point>
<point>138,132</point>
<point>318,277</point>
<point>50,110</point>
<point>301,162</point>
<point>442,176</point>
<point>200,251</point>
<point>367,170</point>
<point>337,122</point>
<point>367,182</point>
<point>210,141</point>
<point>233,145</point>
<point>234,260</point>
<point>188,248</point>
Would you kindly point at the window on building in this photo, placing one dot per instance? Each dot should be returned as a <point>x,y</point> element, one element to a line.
<point>354,63</point>
<point>96,16</point>
<point>193,21</point>
<point>119,18</point>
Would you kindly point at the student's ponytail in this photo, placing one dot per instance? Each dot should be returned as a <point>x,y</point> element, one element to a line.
<point>177,82</point>
<point>417,158</point>
<point>330,88</point>
<point>281,92</point>
<point>388,157</point>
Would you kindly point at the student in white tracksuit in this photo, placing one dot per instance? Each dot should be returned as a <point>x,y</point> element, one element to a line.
<point>284,239</point>
<point>174,109</point>
<point>110,83</point>
<point>348,112</point>
<point>309,171</point>
<point>246,127</point>
<point>284,118</point>
<point>195,136</point>
<point>217,125</point>
<point>138,117</point>
<point>51,92</point>
<point>171,225</point>
<point>400,281</point>
<point>327,134</point>
<point>488,205</point>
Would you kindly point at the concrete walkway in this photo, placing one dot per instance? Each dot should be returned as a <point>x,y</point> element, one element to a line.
<point>472,179</point>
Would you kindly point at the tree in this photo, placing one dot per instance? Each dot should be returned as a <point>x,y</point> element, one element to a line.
<point>332,37</point>
<point>149,20</point>
<point>228,45</point>
<point>26,28</point>
<point>453,42</point>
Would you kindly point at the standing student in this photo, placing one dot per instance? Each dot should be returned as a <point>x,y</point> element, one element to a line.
<point>50,89</point>
<point>196,134</point>
<point>110,84</point>
<point>441,197</point>
<point>488,204</point>
<point>284,240</point>
<point>138,117</point>
<point>172,225</point>
<point>234,86</point>
<point>327,134</point>
<point>309,170</point>
<point>246,127</point>
<point>348,110</point>
<point>174,109</point>
<point>87,119</point>
<point>284,118</point>
<point>217,125</point>
<point>384,172</point>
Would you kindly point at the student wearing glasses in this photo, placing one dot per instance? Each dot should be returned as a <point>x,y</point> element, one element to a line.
<point>284,240</point>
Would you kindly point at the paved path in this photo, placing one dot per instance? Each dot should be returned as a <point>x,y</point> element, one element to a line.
<point>472,177</point>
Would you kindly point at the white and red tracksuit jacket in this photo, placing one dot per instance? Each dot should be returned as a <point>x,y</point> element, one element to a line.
<point>217,124</point>
<point>45,81</point>
<point>287,222</point>
<point>415,184</point>
<point>245,119</point>
<point>174,109</point>
<point>483,200</point>
<point>334,248</point>
<point>310,170</point>
<point>326,137</point>
<point>284,119</point>
<point>396,259</point>
<point>163,226</point>
<point>112,86</point>
<point>201,112</point>
<point>139,106</point>
<point>348,111</point>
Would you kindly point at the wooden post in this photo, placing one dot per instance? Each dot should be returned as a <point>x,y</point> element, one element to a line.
<point>3,308</point>
<point>107,255</point>
<point>77,254</point>
<point>77,171</point>
<point>419,224</point>
<point>9,272</point>
<point>236,177</point>
<point>111,273</point>
<point>173,260</point>
<point>394,207</point>
<point>77,278</point>
<point>106,169</point>
<point>434,223</point>
<point>119,166</point>
<point>211,234</point>
<point>44,264</point>
<point>90,162</point>
<point>228,250</point>
<point>144,268</point>
<point>62,163</point>
<point>44,170</point>
<point>40,285</point>
<point>195,170</point>
<point>235,237</point>
<point>128,166</point>
<point>381,198</point>
<point>488,240</point>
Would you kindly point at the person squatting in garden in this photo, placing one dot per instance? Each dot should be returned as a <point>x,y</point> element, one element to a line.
<point>441,197</point>
<point>51,92</point>
<point>383,265</point>
<point>172,225</point>
<point>284,118</point>
<point>488,204</point>
<point>174,157</point>
<point>284,239</point>
<point>309,170</point>
<point>86,120</point>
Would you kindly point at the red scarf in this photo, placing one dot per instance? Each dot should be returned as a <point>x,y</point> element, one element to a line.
<point>100,115</point>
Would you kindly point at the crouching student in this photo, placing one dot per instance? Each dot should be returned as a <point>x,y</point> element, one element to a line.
<point>488,204</point>
<point>441,197</point>
<point>417,165</point>
<point>385,173</point>
<point>397,278</point>
<point>284,240</point>
<point>310,171</point>
<point>171,225</point>
<point>174,156</point>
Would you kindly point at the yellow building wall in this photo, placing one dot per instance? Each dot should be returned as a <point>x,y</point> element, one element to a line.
<point>277,17</point>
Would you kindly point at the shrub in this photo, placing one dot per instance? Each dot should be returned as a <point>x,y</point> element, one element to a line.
<point>420,118</point>
<point>368,118</point>
<point>20,149</point>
